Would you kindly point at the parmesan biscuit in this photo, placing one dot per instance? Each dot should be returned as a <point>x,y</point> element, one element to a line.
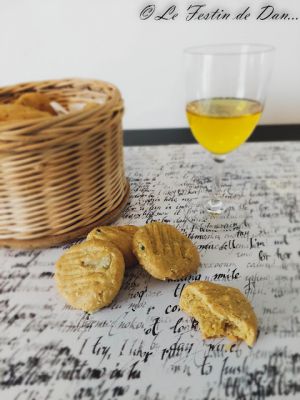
<point>89,275</point>
<point>120,236</point>
<point>220,311</point>
<point>17,112</point>
<point>165,252</point>
<point>38,101</point>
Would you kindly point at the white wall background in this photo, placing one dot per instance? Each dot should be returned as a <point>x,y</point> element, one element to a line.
<point>105,39</point>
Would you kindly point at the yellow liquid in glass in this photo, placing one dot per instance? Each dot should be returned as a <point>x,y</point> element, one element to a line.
<point>220,125</point>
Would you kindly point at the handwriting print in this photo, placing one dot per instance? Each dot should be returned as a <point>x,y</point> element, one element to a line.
<point>142,346</point>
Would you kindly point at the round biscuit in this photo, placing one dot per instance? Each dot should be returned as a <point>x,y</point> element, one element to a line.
<point>89,275</point>
<point>164,252</point>
<point>120,236</point>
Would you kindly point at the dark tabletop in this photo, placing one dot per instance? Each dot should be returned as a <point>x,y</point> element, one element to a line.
<point>263,133</point>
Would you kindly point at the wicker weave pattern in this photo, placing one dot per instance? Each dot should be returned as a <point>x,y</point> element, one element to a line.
<point>65,172</point>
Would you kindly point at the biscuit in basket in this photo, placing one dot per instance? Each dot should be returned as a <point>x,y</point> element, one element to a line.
<point>17,112</point>
<point>164,252</point>
<point>220,311</point>
<point>120,236</point>
<point>38,101</point>
<point>89,275</point>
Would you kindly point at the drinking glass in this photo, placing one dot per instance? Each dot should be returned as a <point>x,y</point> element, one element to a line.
<point>226,88</point>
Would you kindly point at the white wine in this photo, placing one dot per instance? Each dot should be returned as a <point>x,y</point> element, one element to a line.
<point>222,124</point>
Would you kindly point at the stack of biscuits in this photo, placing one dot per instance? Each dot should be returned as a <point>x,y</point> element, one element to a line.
<point>89,275</point>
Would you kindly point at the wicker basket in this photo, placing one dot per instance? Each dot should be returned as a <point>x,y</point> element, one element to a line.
<point>63,175</point>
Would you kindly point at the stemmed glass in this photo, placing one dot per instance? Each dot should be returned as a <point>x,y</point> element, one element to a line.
<point>226,89</point>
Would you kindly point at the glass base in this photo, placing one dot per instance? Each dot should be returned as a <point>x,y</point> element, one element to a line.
<point>214,215</point>
<point>215,207</point>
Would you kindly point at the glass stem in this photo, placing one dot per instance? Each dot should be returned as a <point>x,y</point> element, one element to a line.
<point>215,205</point>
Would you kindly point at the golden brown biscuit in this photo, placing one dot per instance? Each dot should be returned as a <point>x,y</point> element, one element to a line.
<point>38,101</point>
<point>90,105</point>
<point>165,252</point>
<point>220,311</point>
<point>120,236</point>
<point>17,112</point>
<point>89,275</point>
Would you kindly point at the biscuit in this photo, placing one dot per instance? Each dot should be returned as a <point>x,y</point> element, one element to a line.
<point>120,236</point>
<point>220,311</point>
<point>17,112</point>
<point>90,105</point>
<point>89,275</point>
<point>38,101</point>
<point>164,252</point>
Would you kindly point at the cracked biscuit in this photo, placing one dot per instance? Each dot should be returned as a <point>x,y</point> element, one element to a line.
<point>164,252</point>
<point>89,275</point>
<point>220,311</point>
<point>120,236</point>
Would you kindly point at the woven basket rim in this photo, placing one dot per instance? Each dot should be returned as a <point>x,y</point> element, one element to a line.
<point>38,123</point>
